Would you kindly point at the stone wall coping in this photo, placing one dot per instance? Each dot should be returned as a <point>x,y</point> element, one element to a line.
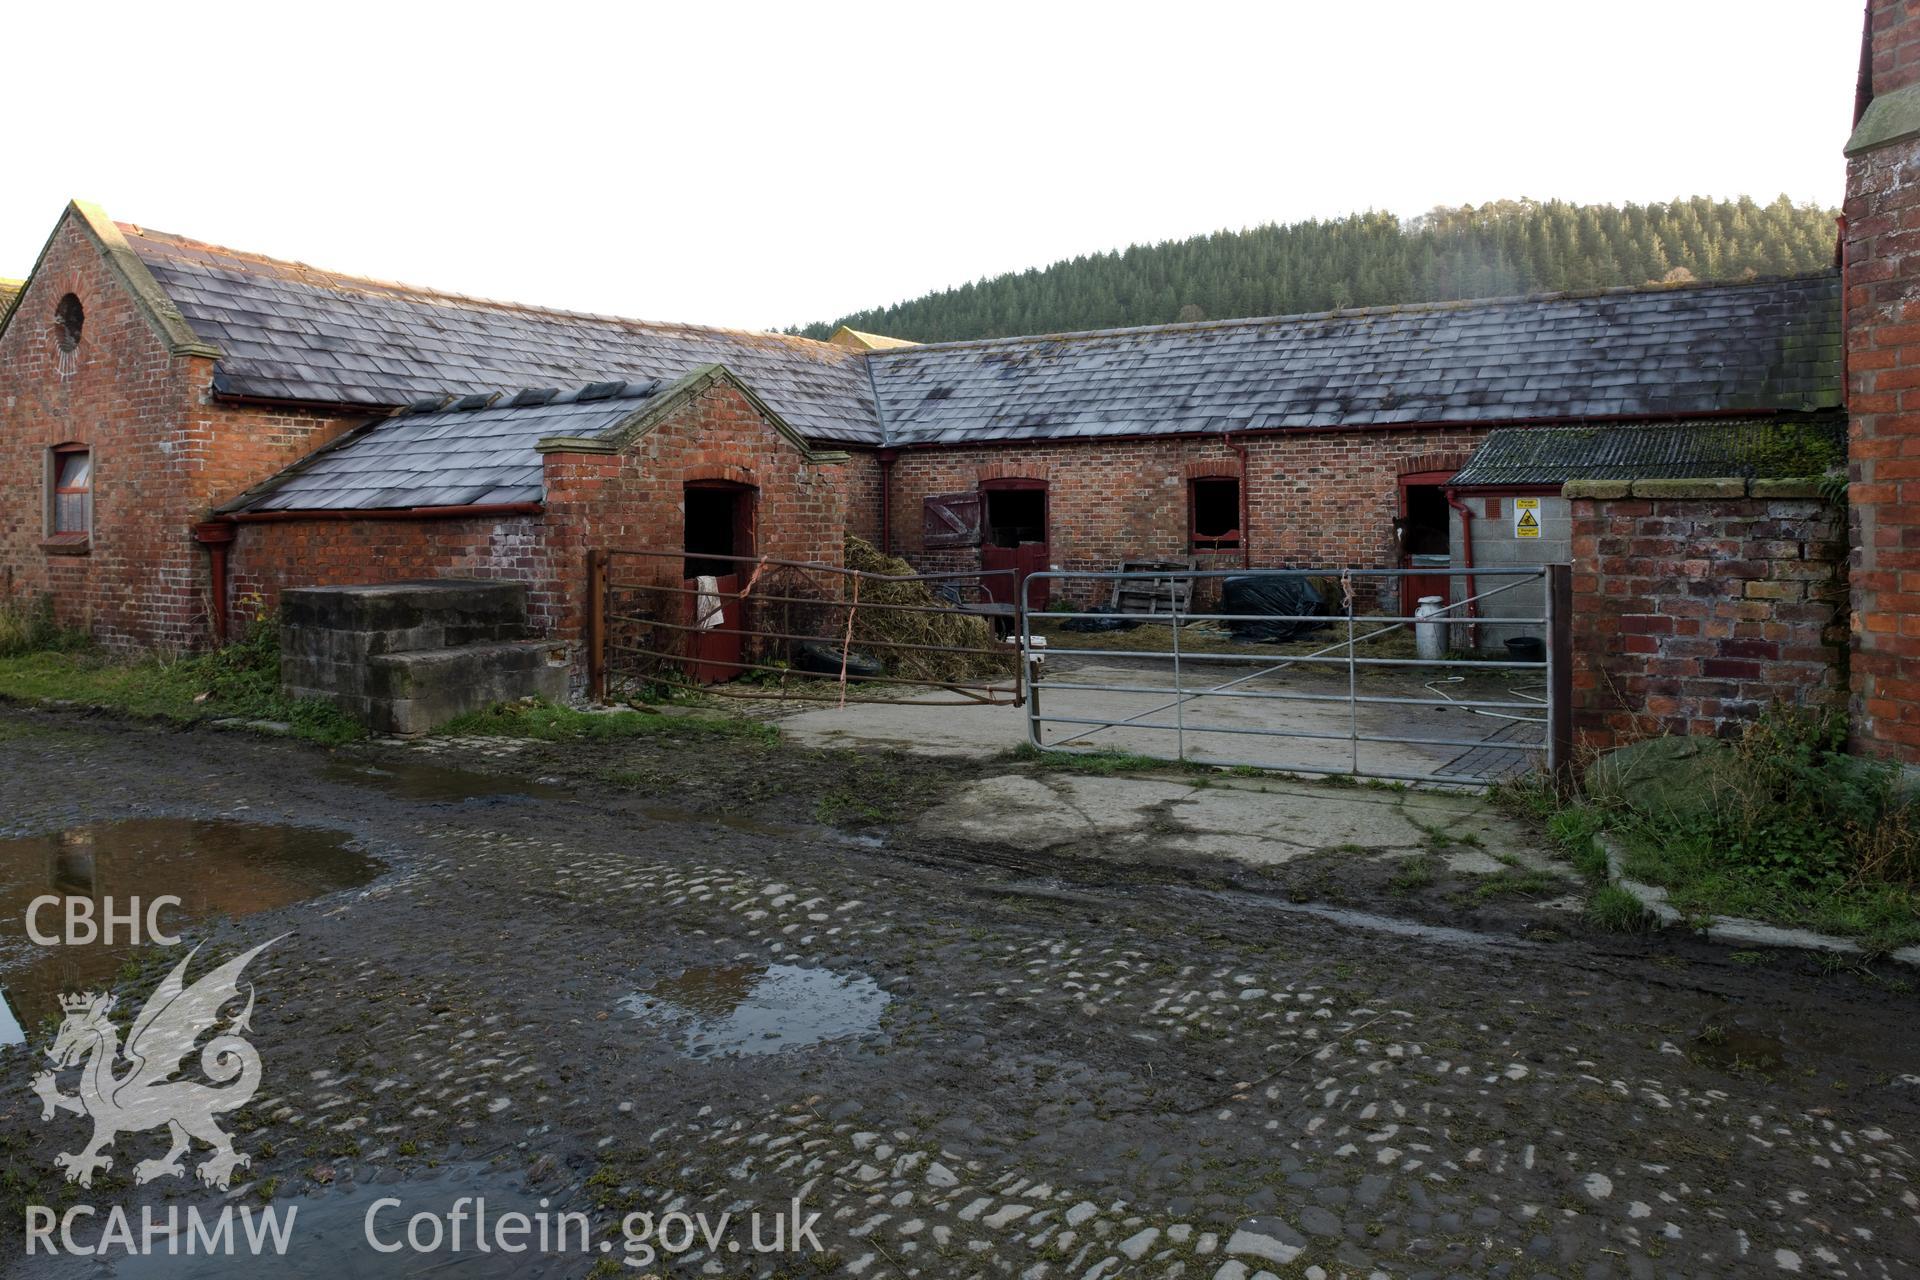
<point>1719,487</point>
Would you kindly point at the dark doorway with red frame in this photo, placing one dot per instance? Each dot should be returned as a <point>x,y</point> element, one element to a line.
<point>719,522</point>
<point>1426,537</point>
<point>1014,537</point>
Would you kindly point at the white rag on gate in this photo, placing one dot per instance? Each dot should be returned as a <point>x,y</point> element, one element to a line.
<point>707,609</point>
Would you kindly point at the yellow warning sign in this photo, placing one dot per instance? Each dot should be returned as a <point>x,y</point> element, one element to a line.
<point>1526,517</point>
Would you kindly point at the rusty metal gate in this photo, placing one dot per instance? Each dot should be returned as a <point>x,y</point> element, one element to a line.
<point>764,628</point>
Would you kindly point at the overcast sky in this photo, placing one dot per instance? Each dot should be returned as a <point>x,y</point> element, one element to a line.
<point>763,165</point>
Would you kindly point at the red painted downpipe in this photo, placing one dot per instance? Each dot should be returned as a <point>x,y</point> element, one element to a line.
<point>216,536</point>
<point>1466,556</point>
<point>886,457</point>
<point>1246,499</point>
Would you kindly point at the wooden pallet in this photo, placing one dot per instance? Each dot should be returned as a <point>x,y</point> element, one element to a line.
<point>1154,595</point>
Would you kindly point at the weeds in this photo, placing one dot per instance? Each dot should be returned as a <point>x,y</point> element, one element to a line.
<point>29,627</point>
<point>241,681</point>
<point>1617,911</point>
<point>549,722</point>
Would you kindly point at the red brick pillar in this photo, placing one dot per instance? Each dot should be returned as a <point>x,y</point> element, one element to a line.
<point>1882,249</point>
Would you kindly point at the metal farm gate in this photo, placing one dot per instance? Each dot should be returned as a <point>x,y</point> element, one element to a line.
<point>1322,673</point>
<point>764,628</point>
<point>1342,683</point>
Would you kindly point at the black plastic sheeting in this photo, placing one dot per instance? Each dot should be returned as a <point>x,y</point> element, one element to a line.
<point>1109,620</point>
<point>818,659</point>
<point>1258,593</point>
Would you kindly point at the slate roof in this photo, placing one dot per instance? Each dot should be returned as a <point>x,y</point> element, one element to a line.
<point>1770,345</point>
<point>1659,451</point>
<point>479,449</point>
<point>292,332</point>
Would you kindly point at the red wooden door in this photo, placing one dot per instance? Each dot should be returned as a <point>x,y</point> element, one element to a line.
<point>1023,559</point>
<point>715,654</point>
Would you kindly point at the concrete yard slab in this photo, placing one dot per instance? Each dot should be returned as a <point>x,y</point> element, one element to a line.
<point>1259,822</point>
<point>932,725</point>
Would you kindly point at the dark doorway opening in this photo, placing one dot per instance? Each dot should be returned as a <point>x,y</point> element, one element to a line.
<point>719,522</point>
<point>1426,537</point>
<point>1015,538</point>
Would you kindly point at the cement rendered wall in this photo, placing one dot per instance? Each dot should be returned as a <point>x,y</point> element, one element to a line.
<point>1497,546</point>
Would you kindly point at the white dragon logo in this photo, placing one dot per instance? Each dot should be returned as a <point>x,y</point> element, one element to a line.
<point>146,1096</point>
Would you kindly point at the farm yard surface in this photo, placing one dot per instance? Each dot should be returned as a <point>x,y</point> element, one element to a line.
<point>701,969</point>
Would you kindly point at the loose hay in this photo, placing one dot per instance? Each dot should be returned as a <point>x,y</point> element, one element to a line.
<point>949,629</point>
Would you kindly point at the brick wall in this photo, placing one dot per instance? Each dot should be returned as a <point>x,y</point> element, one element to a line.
<point>634,499</point>
<point>267,558</point>
<point>163,454</point>
<point>629,499</point>
<point>1313,499</point>
<point>1896,44</point>
<point>1697,603</point>
<point>1883,399</point>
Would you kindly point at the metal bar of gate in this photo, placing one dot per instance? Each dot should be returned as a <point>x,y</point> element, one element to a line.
<point>1556,583</point>
<point>1316,656</point>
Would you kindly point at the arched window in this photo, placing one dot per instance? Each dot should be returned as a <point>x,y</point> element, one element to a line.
<point>68,319</point>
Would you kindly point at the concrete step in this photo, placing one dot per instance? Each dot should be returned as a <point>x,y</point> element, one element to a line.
<point>420,690</point>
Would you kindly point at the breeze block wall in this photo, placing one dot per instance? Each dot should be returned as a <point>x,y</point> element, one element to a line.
<point>1696,603</point>
<point>1314,499</point>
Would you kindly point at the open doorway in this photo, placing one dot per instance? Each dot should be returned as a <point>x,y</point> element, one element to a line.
<point>718,519</point>
<point>1425,528</point>
<point>1015,537</point>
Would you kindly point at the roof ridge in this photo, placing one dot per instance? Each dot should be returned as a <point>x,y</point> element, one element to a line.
<point>322,277</point>
<point>1383,309</point>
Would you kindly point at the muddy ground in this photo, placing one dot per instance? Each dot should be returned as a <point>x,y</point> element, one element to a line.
<point>587,983</point>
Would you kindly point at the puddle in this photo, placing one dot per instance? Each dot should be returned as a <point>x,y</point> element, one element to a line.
<point>432,782</point>
<point>327,1237</point>
<point>1732,1049</point>
<point>214,868</point>
<point>736,1010</point>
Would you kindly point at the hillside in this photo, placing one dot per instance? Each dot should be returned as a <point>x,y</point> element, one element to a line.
<point>1507,247</point>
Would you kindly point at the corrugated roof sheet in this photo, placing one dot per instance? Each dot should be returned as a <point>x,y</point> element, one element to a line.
<point>476,450</point>
<point>1763,346</point>
<point>1658,451</point>
<point>9,290</point>
<point>291,332</point>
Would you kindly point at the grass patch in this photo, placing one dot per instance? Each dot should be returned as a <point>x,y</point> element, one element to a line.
<point>550,722</point>
<point>1415,874</point>
<point>1517,884</point>
<point>1100,763</point>
<point>1617,911</point>
<point>241,681</point>
<point>1783,827</point>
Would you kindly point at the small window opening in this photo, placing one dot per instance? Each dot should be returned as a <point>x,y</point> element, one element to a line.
<point>719,522</point>
<point>72,489</point>
<point>1213,503</point>
<point>1015,516</point>
<point>68,319</point>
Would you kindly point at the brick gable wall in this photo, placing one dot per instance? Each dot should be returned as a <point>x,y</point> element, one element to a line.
<point>164,454</point>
